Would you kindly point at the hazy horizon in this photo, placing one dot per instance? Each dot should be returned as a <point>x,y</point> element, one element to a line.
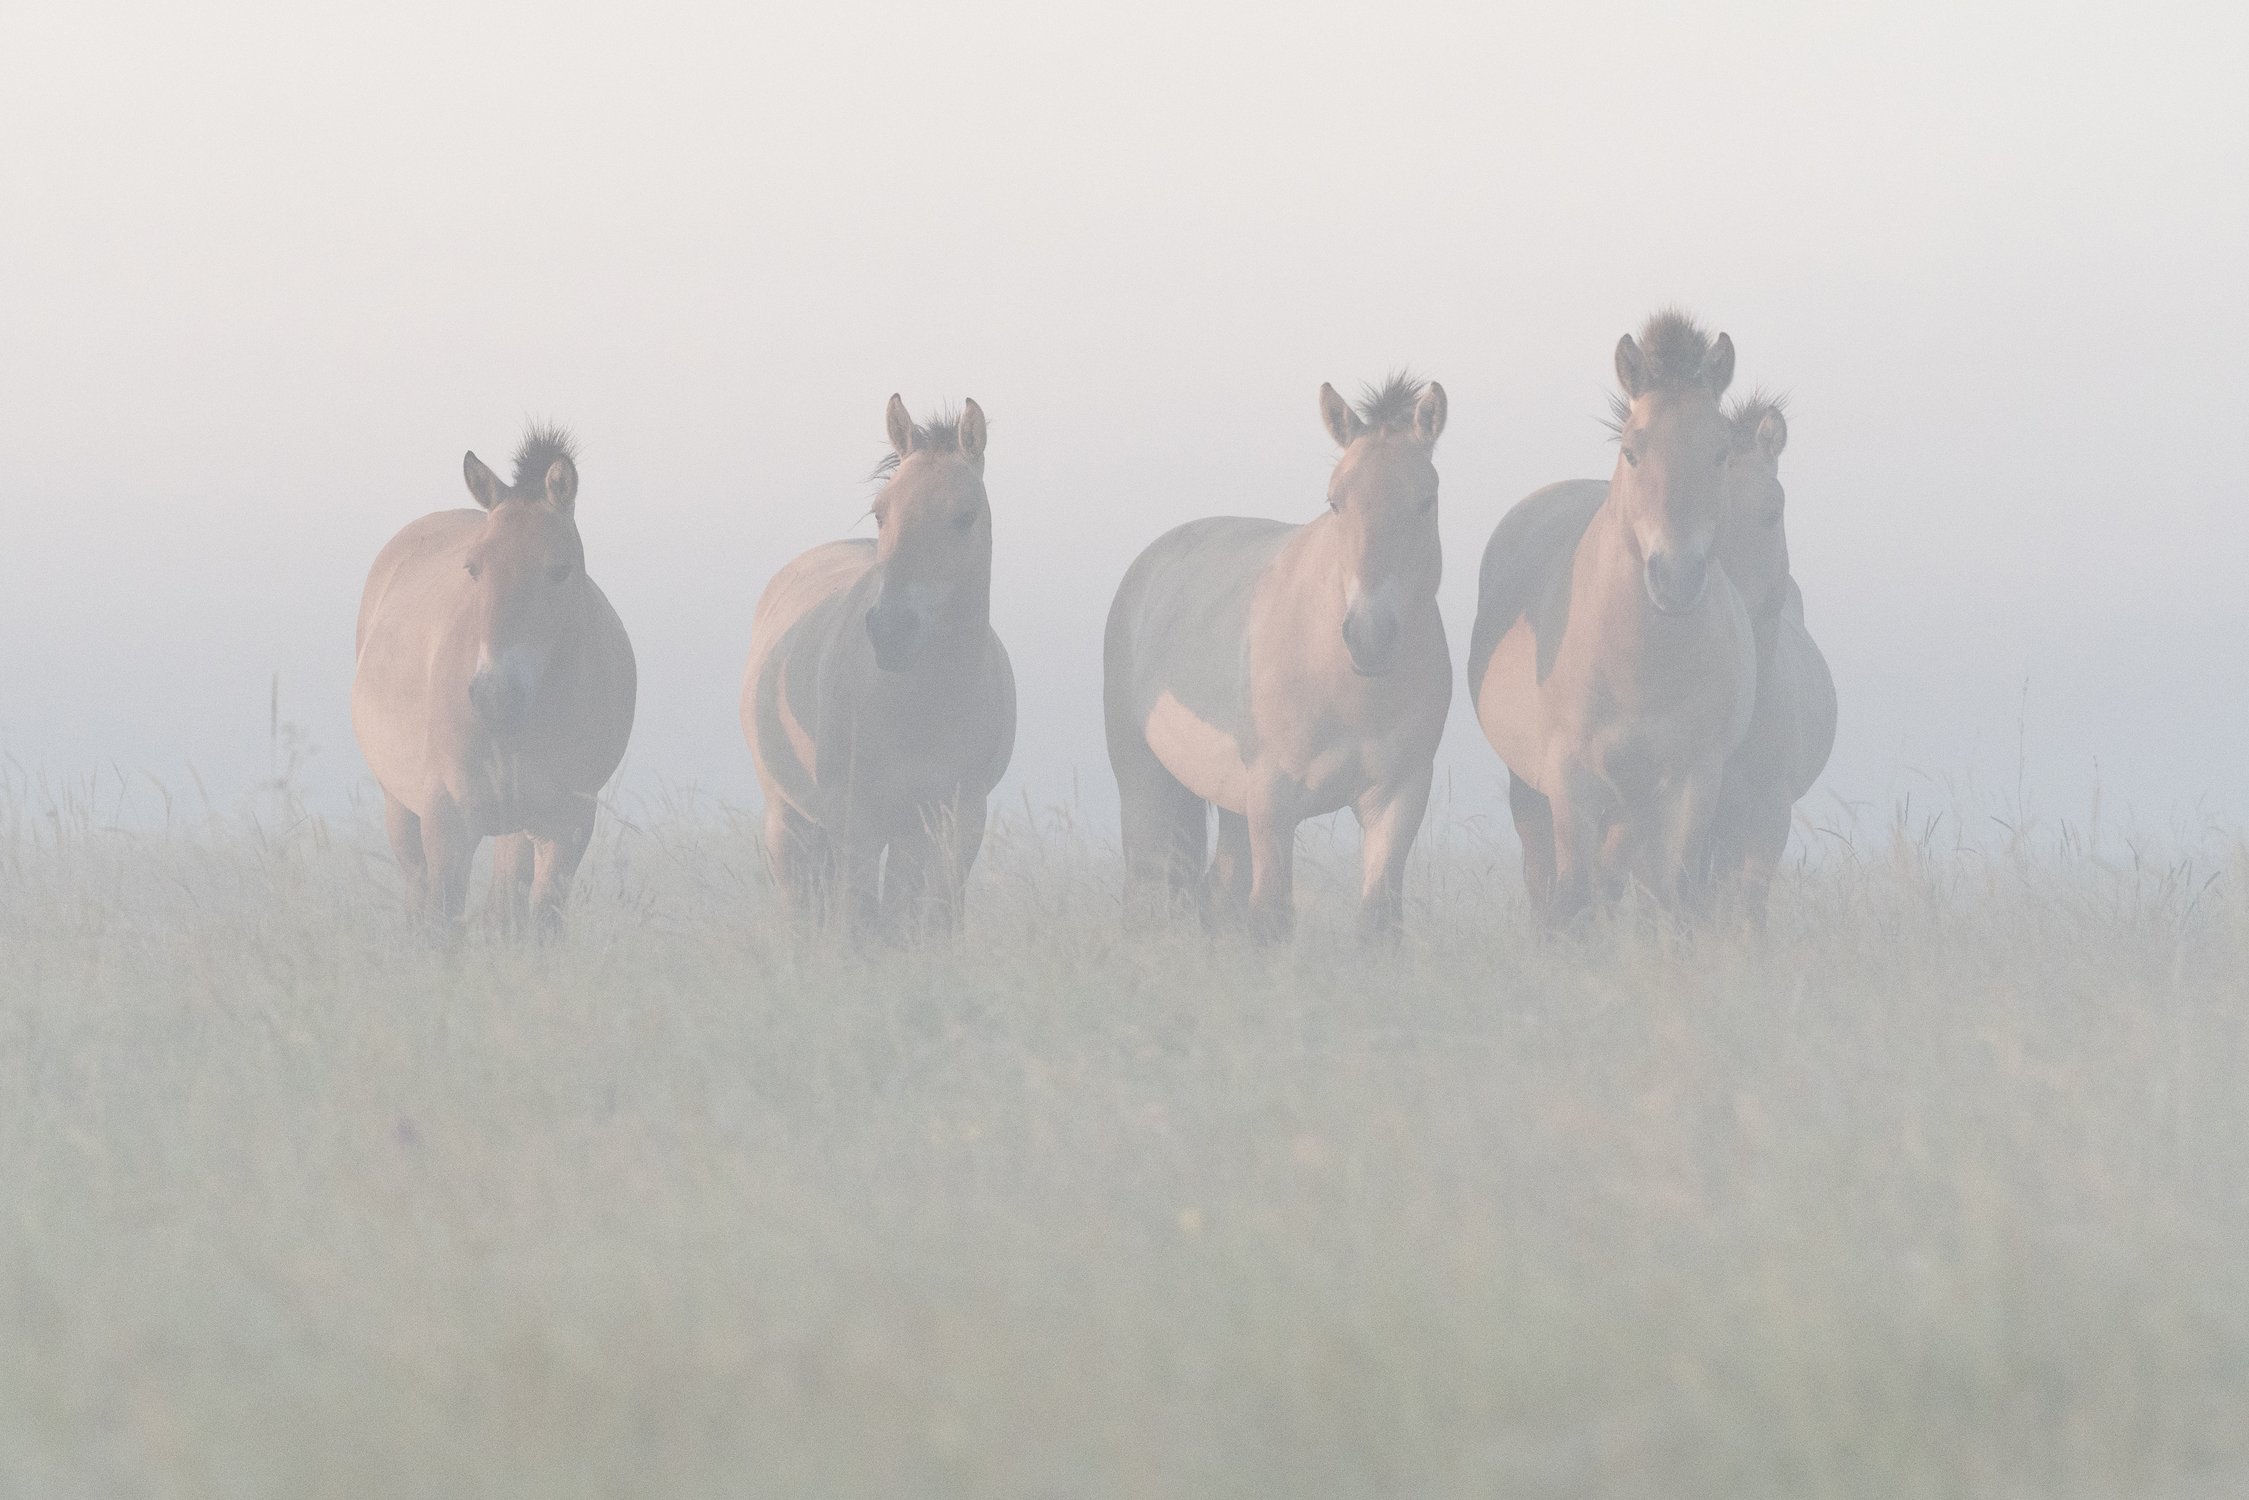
<point>269,273</point>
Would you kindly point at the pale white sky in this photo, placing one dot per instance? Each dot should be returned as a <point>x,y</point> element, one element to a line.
<point>265,271</point>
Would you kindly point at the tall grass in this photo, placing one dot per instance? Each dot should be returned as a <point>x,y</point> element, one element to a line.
<point>1939,1188</point>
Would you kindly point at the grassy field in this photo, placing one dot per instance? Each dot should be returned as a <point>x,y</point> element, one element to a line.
<point>1939,1189</point>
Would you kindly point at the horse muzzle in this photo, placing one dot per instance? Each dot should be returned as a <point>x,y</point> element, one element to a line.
<point>501,695</point>
<point>896,632</point>
<point>1676,583</point>
<point>1371,636</point>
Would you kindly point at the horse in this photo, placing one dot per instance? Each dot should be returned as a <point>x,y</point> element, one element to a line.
<point>1612,664</point>
<point>1792,727</point>
<point>879,704</point>
<point>1278,672</point>
<point>494,690</point>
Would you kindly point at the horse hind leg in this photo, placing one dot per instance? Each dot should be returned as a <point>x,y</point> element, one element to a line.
<point>1166,833</point>
<point>507,901</point>
<point>404,829</point>
<point>1230,869</point>
<point>1534,827</point>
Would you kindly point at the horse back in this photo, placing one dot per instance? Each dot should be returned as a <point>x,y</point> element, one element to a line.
<point>1179,627</point>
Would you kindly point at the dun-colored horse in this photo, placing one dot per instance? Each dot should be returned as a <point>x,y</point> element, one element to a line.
<point>1611,664</point>
<point>1280,672</point>
<point>879,704</point>
<point>1792,728</point>
<point>494,689</point>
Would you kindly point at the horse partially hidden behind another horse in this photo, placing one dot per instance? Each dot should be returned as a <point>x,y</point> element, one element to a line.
<point>1792,728</point>
<point>1612,663</point>
<point>1279,672</point>
<point>494,689</point>
<point>879,704</point>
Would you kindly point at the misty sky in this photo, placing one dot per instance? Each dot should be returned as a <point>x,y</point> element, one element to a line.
<point>265,272</point>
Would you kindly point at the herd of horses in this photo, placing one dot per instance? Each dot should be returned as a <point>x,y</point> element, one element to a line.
<point>1639,661</point>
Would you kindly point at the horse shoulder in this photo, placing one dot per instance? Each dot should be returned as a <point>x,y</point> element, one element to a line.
<point>786,693</point>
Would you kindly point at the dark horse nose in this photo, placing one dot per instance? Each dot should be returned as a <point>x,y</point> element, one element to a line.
<point>497,696</point>
<point>893,631</point>
<point>1371,636</point>
<point>1675,583</point>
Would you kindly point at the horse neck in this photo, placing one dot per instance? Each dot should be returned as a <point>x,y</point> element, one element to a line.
<point>1320,547</point>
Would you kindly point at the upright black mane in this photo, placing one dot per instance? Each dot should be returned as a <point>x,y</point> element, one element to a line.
<point>940,431</point>
<point>543,443</point>
<point>1388,407</point>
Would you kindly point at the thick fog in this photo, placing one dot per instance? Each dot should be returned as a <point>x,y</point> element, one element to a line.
<point>266,271</point>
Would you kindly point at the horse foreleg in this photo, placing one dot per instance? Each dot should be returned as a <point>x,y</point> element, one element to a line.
<point>1671,860</point>
<point>507,902</point>
<point>1583,811</point>
<point>927,873</point>
<point>449,848</point>
<point>557,866</point>
<point>1389,818</point>
<point>1272,819</point>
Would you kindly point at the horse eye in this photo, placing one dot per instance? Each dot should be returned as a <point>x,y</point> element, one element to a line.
<point>556,572</point>
<point>476,569</point>
<point>966,520</point>
<point>1632,458</point>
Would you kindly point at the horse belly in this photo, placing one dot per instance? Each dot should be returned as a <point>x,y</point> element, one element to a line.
<point>1511,706</point>
<point>1203,757</point>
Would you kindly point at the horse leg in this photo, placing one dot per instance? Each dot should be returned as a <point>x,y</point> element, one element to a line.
<point>1230,867</point>
<point>925,876</point>
<point>1534,826</point>
<point>1389,817</point>
<point>1583,810</point>
<point>558,859</point>
<point>405,830</point>
<point>450,849</point>
<point>1272,818</point>
<point>798,854</point>
<point>1165,827</point>
<point>507,901</point>
<point>859,887</point>
<point>1755,853</point>
<point>1683,840</point>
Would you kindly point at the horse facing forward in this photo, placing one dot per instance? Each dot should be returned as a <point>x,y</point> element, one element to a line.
<point>494,690</point>
<point>1612,664</point>
<point>1278,672</point>
<point>1792,728</point>
<point>878,703</point>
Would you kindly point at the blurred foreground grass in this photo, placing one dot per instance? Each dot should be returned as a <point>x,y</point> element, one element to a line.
<point>1939,1189</point>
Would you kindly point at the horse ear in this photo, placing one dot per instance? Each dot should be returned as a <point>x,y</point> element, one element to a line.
<point>1429,413</point>
<point>899,425</point>
<point>1342,422</point>
<point>972,431</point>
<point>1631,367</point>
<point>1772,433</point>
<point>1718,366</point>
<point>562,485</point>
<point>483,483</point>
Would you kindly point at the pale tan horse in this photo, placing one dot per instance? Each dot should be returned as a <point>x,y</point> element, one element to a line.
<point>1792,728</point>
<point>1612,664</point>
<point>879,703</point>
<point>494,690</point>
<point>1279,672</point>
